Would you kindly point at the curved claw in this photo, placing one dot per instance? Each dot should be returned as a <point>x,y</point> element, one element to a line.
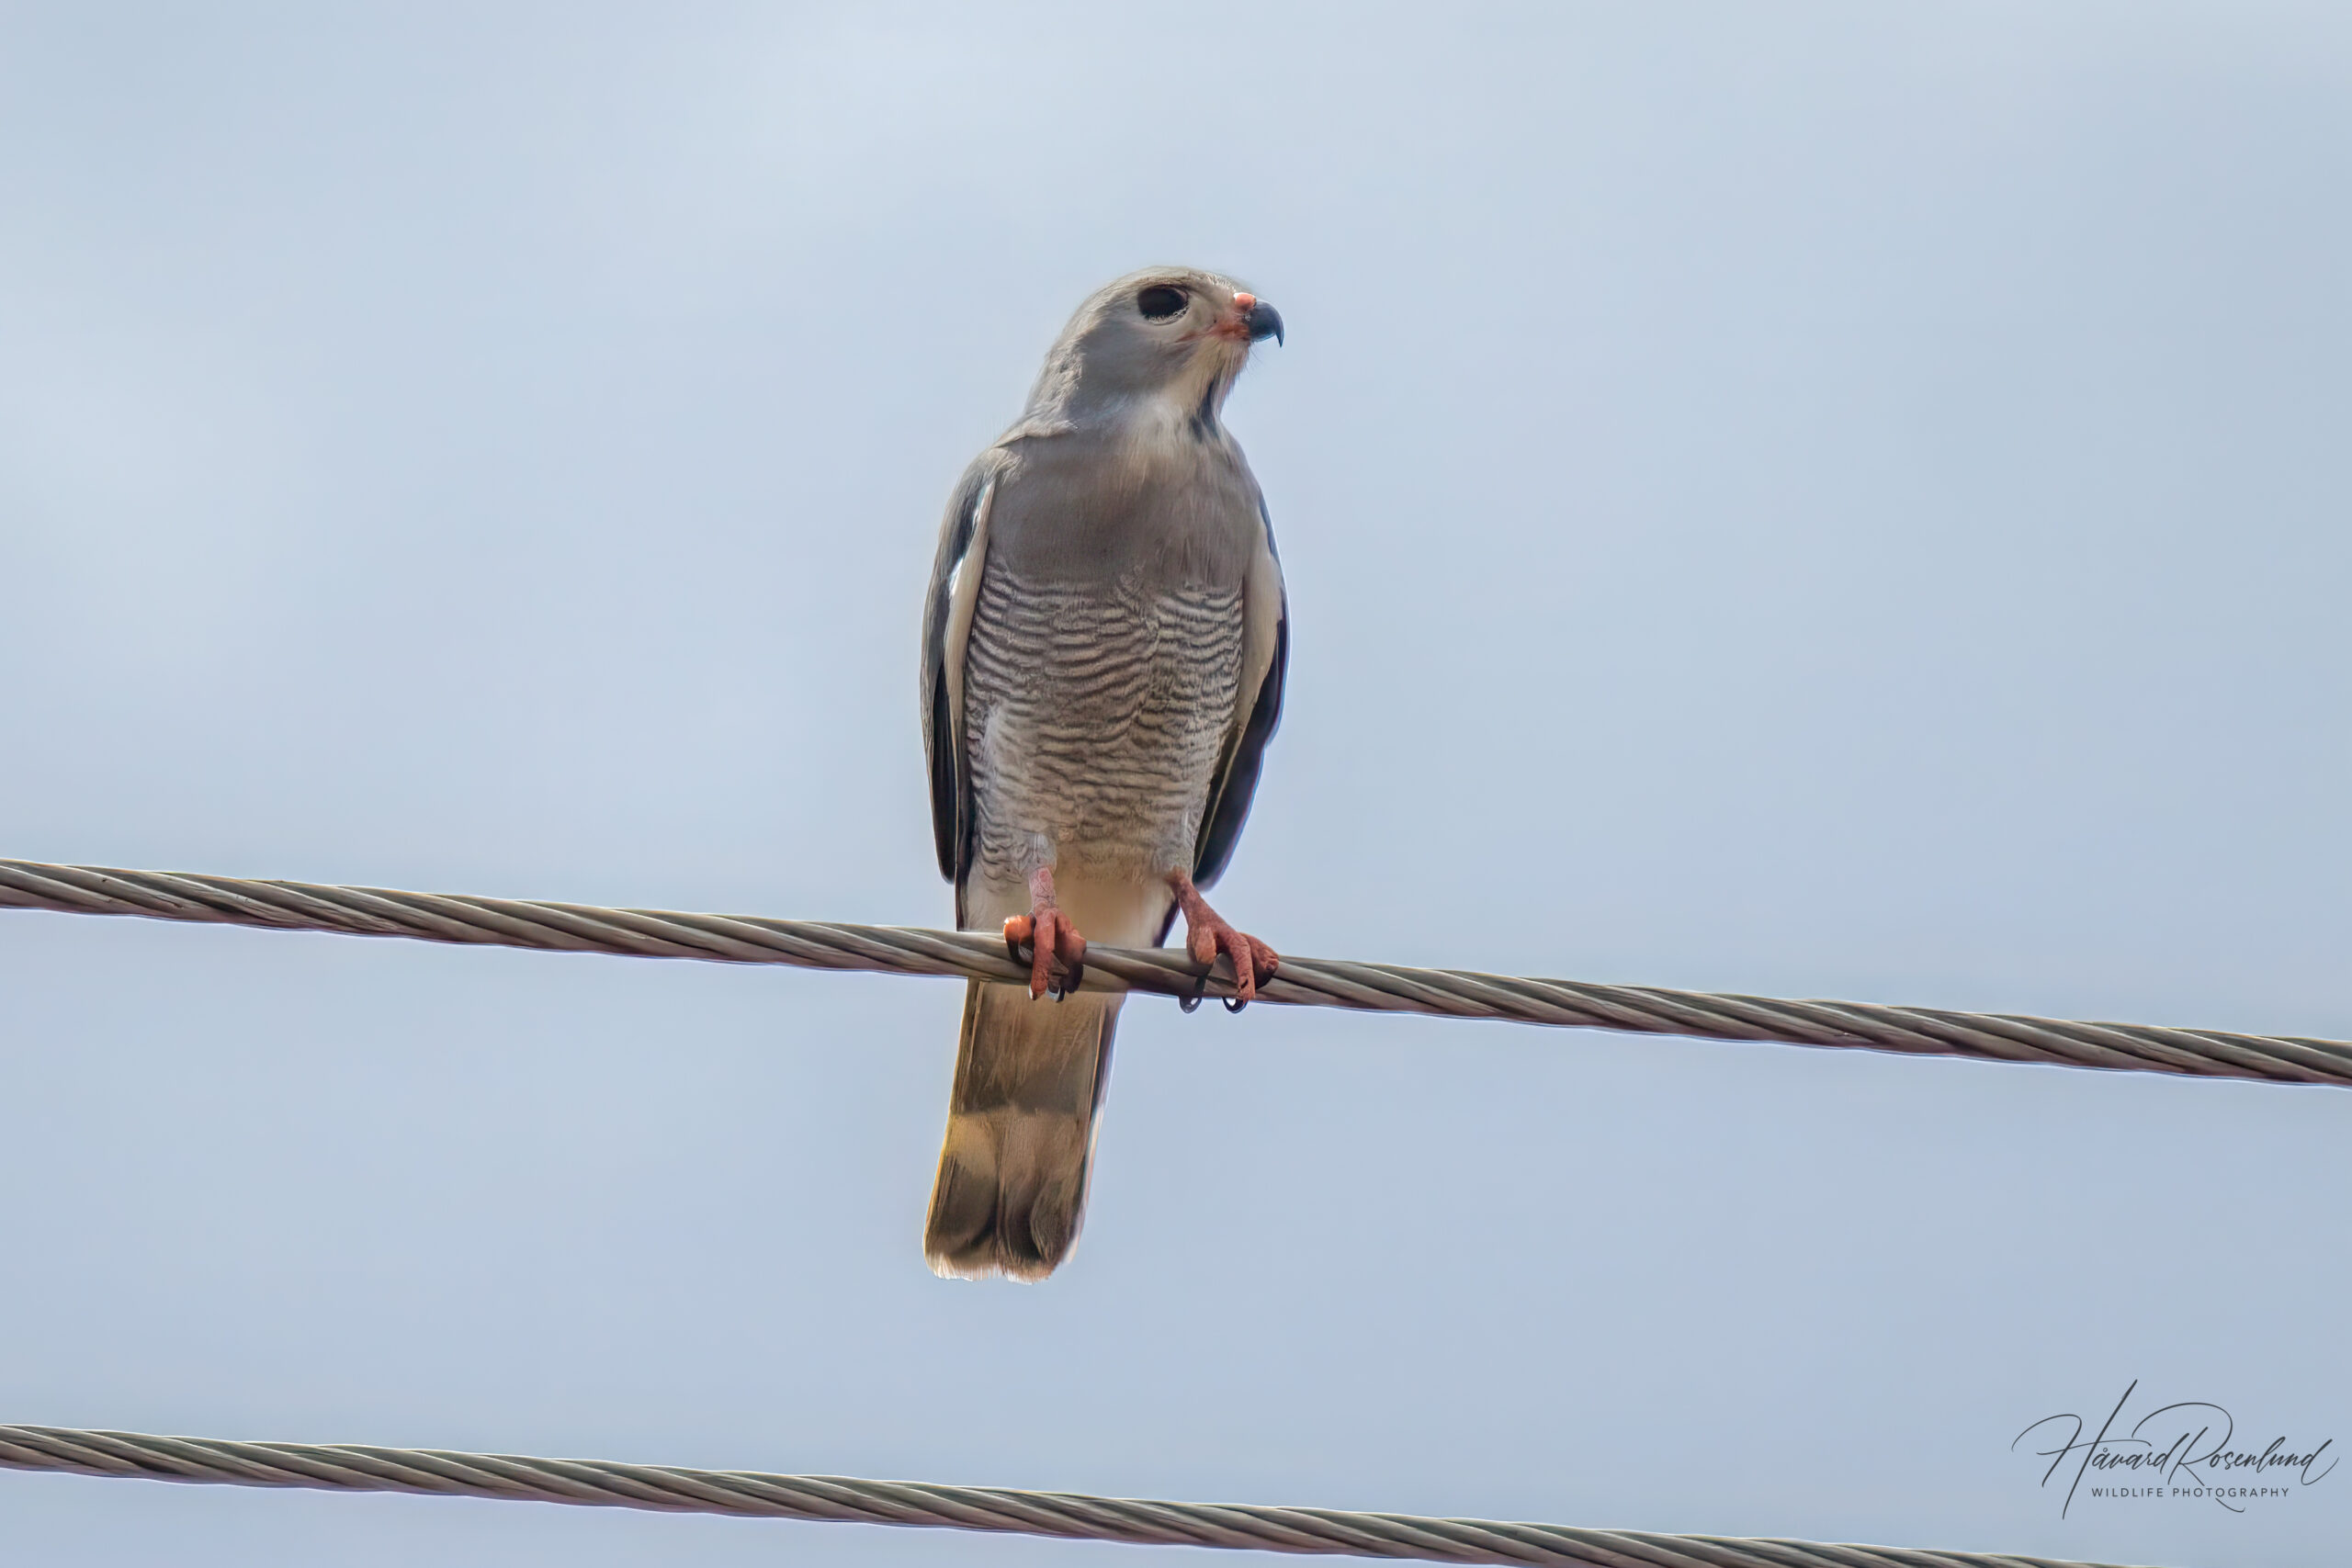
<point>1047,936</point>
<point>1253,963</point>
<point>1208,934</point>
<point>1253,960</point>
<point>1070,948</point>
<point>1192,1003</point>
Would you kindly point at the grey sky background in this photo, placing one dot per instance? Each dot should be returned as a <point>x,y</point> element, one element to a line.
<point>1817,499</point>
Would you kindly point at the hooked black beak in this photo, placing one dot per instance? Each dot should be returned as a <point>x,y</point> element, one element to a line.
<point>1265,321</point>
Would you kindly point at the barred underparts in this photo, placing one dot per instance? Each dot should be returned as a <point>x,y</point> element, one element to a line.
<point>1117,701</point>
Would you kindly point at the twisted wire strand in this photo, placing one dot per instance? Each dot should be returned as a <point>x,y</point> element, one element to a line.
<point>342,1467</point>
<point>1302,982</point>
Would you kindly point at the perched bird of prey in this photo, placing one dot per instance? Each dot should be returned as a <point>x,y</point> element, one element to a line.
<point>1102,667</point>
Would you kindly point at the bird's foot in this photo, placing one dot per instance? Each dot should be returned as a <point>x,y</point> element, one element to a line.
<point>1208,934</point>
<point>1048,935</point>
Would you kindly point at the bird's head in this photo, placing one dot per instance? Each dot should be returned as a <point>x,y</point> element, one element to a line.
<point>1165,335</point>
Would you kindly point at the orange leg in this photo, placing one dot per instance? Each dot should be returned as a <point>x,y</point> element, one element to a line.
<point>1048,935</point>
<point>1207,933</point>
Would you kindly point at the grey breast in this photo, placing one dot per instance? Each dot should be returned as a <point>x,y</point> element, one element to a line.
<point>1095,715</point>
<point>1105,651</point>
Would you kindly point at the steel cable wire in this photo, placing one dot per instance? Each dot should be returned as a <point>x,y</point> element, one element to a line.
<point>1302,982</point>
<point>844,1500</point>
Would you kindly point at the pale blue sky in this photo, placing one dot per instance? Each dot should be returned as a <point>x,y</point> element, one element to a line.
<point>1818,499</point>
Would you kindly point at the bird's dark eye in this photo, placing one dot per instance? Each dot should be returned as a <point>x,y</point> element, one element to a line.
<point>1158,302</point>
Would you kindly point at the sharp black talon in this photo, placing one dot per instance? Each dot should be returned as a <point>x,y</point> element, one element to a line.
<point>1070,979</point>
<point>1193,1002</point>
<point>1233,1004</point>
<point>1013,949</point>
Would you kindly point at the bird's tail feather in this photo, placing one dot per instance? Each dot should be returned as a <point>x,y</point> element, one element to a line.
<point>1013,1172</point>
